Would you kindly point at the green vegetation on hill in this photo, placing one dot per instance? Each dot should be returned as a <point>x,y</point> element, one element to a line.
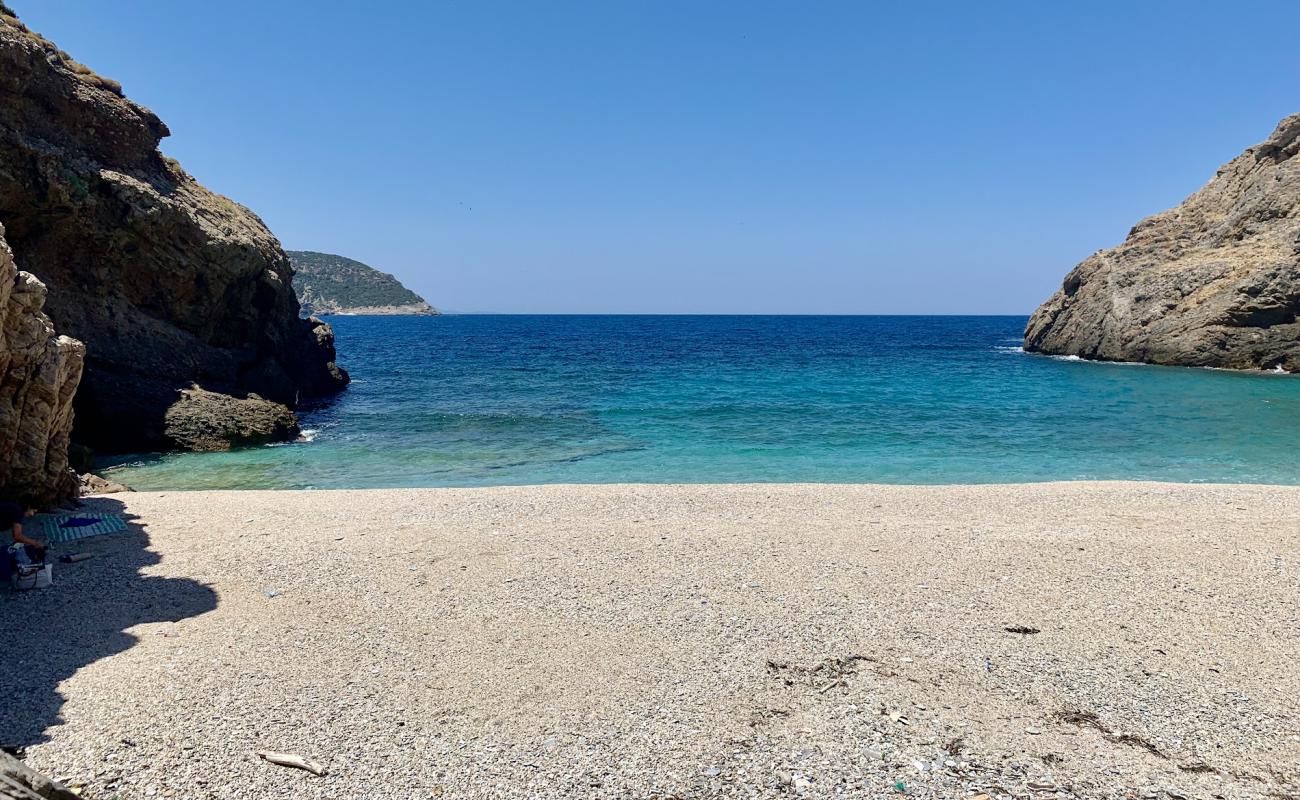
<point>330,284</point>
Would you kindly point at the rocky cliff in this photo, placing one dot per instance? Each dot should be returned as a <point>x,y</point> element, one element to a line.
<point>39,372</point>
<point>179,294</point>
<point>330,284</point>
<point>1214,282</point>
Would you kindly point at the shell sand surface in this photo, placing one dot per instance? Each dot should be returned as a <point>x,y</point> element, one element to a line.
<point>1069,640</point>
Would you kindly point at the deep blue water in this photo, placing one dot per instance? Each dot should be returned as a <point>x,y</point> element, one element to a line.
<point>483,400</point>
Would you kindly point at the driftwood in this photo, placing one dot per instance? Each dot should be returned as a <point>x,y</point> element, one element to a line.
<point>295,761</point>
<point>20,782</point>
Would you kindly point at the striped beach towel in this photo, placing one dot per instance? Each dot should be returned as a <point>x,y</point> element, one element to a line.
<point>55,528</point>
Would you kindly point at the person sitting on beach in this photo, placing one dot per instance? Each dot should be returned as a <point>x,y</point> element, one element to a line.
<point>12,516</point>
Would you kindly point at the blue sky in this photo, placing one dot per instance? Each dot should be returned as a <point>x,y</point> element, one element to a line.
<point>686,157</point>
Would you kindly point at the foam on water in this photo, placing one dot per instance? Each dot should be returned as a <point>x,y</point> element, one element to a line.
<point>485,400</point>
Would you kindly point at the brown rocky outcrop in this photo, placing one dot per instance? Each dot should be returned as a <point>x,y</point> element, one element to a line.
<point>92,484</point>
<point>204,420</point>
<point>39,372</point>
<point>169,285</point>
<point>20,782</point>
<point>1214,282</point>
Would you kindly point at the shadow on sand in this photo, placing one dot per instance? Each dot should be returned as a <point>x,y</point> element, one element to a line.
<point>47,635</point>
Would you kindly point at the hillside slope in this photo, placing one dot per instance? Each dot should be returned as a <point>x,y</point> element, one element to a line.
<point>1214,282</point>
<point>330,284</point>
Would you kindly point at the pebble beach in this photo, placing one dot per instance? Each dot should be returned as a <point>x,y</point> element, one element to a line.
<point>1072,640</point>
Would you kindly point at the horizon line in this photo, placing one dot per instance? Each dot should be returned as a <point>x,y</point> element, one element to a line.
<point>448,313</point>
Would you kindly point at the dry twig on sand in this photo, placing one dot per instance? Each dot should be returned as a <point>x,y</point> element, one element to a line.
<point>295,761</point>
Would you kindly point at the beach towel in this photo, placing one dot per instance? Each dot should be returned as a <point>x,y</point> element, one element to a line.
<point>55,528</point>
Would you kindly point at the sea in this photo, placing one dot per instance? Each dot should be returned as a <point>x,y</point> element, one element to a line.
<point>485,400</point>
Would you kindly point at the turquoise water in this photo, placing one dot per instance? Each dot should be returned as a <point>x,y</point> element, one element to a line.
<point>484,400</point>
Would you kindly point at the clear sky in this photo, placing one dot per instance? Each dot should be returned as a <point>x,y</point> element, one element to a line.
<point>701,156</point>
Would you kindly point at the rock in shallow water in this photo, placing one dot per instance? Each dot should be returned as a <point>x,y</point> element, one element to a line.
<point>1214,282</point>
<point>92,484</point>
<point>203,420</point>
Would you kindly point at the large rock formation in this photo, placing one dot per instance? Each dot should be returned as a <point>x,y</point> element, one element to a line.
<point>1214,282</point>
<point>39,371</point>
<point>170,286</point>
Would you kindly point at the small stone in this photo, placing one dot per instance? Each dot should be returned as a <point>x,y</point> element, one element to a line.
<point>1033,731</point>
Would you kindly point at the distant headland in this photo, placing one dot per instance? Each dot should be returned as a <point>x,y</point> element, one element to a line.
<point>330,284</point>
